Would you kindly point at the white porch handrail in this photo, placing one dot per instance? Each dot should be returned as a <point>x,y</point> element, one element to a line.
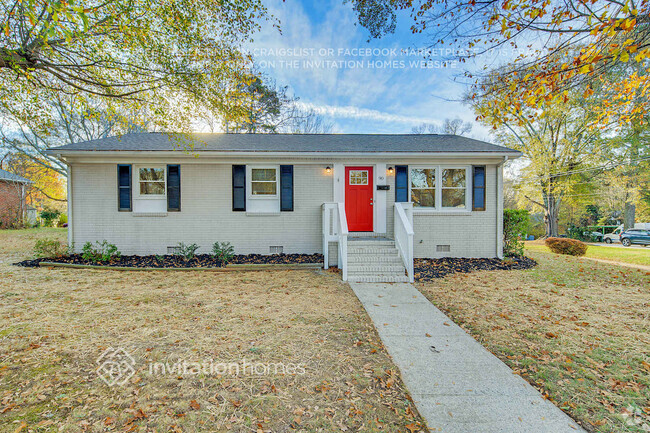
<point>335,229</point>
<point>403,220</point>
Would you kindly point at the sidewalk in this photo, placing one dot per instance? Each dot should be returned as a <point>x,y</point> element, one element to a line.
<point>456,384</point>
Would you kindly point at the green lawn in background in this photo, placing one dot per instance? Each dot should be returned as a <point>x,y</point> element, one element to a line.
<point>636,256</point>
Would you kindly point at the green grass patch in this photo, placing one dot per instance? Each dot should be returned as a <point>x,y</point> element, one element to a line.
<point>635,256</point>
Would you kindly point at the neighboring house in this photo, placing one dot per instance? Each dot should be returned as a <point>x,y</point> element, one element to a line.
<point>12,199</point>
<point>369,203</point>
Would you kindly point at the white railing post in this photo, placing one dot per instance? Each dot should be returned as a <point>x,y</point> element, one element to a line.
<point>343,241</point>
<point>326,232</point>
<point>403,221</point>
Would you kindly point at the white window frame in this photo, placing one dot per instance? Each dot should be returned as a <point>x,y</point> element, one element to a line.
<point>438,207</point>
<point>137,182</point>
<point>249,182</point>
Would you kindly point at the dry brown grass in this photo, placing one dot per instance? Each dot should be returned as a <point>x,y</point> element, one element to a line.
<point>577,330</point>
<point>56,322</point>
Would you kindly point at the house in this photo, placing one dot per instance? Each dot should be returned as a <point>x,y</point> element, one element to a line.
<point>13,208</point>
<point>369,203</point>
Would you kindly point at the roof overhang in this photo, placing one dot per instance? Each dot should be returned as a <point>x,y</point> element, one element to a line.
<point>261,154</point>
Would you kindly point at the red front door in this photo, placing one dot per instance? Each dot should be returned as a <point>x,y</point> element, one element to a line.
<point>358,198</point>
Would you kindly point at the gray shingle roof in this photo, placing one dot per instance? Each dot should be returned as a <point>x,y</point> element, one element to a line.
<point>5,175</point>
<point>328,143</point>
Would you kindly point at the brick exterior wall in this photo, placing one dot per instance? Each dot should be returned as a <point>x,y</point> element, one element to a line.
<point>206,214</point>
<point>11,203</point>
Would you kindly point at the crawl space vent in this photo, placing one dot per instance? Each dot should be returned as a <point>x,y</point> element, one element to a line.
<point>173,250</point>
<point>276,249</point>
<point>443,248</point>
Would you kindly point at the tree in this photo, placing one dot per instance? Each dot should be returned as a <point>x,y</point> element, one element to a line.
<point>600,35</point>
<point>449,127</point>
<point>48,187</point>
<point>167,56</point>
<point>64,119</point>
<point>557,141</point>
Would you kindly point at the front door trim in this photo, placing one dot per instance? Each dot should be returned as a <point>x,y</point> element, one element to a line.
<point>366,214</point>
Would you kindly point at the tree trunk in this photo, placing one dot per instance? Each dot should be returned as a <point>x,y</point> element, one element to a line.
<point>629,215</point>
<point>551,216</point>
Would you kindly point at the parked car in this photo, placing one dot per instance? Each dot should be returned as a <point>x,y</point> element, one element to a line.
<point>635,236</point>
<point>615,236</point>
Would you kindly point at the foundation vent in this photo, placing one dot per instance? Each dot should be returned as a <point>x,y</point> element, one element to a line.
<point>443,248</point>
<point>276,249</point>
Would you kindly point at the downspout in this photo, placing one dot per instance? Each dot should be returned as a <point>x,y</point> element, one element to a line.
<point>500,208</point>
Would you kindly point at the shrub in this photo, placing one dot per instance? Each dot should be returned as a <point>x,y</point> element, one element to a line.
<point>49,248</point>
<point>568,246</point>
<point>100,251</point>
<point>223,251</point>
<point>515,223</point>
<point>63,219</point>
<point>187,251</point>
<point>49,216</point>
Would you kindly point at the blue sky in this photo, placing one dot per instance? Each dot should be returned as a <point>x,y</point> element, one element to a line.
<point>325,63</point>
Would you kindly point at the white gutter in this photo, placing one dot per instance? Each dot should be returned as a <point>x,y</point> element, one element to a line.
<point>500,207</point>
<point>263,154</point>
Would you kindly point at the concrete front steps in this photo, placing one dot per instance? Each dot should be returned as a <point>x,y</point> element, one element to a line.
<point>374,260</point>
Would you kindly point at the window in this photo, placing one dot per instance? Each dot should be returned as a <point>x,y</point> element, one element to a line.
<point>264,182</point>
<point>423,187</point>
<point>358,177</point>
<point>439,187</point>
<point>152,181</point>
<point>454,185</point>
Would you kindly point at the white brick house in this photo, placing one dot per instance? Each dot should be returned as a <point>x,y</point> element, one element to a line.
<point>419,195</point>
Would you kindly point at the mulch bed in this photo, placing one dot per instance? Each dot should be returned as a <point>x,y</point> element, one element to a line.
<point>429,269</point>
<point>175,261</point>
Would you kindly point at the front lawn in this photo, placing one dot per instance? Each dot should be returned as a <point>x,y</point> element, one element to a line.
<point>578,330</point>
<point>309,325</point>
<point>636,256</point>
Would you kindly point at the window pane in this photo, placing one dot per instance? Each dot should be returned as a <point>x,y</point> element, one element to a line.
<point>423,197</point>
<point>479,176</point>
<point>267,174</point>
<point>479,198</point>
<point>263,188</point>
<point>152,174</point>
<point>153,188</point>
<point>453,177</point>
<point>358,177</point>
<point>453,198</point>
<point>423,178</point>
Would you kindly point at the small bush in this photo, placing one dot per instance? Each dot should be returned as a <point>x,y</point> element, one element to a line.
<point>187,251</point>
<point>567,246</point>
<point>63,219</point>
<point>100,251</point>
<point>223,251</point>
<point>515,224</point>
<point>49,248</point>
<point>49,216</point>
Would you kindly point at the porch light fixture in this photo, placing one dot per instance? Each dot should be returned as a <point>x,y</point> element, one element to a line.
<point>328,169</point>
<point>391,170</point>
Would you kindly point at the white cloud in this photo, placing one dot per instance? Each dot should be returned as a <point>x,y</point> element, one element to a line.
<point>350,112</point>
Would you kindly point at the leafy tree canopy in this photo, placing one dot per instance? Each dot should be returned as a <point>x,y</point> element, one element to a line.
<point>170,56</point>
<point>600,35</point>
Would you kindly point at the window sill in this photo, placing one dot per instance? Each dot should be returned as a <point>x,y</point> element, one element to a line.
<point>263,213</point>
<point>149,214</point>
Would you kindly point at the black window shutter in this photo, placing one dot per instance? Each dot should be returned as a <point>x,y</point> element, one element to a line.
<point>478,187</point>
<point>124,187</point>
<point>239,188</point>
<point>401,183</point>
<point>286,188</point>
<point>173,188</point>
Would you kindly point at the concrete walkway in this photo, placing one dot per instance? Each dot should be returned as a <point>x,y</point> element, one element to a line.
<point>456,384</point>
